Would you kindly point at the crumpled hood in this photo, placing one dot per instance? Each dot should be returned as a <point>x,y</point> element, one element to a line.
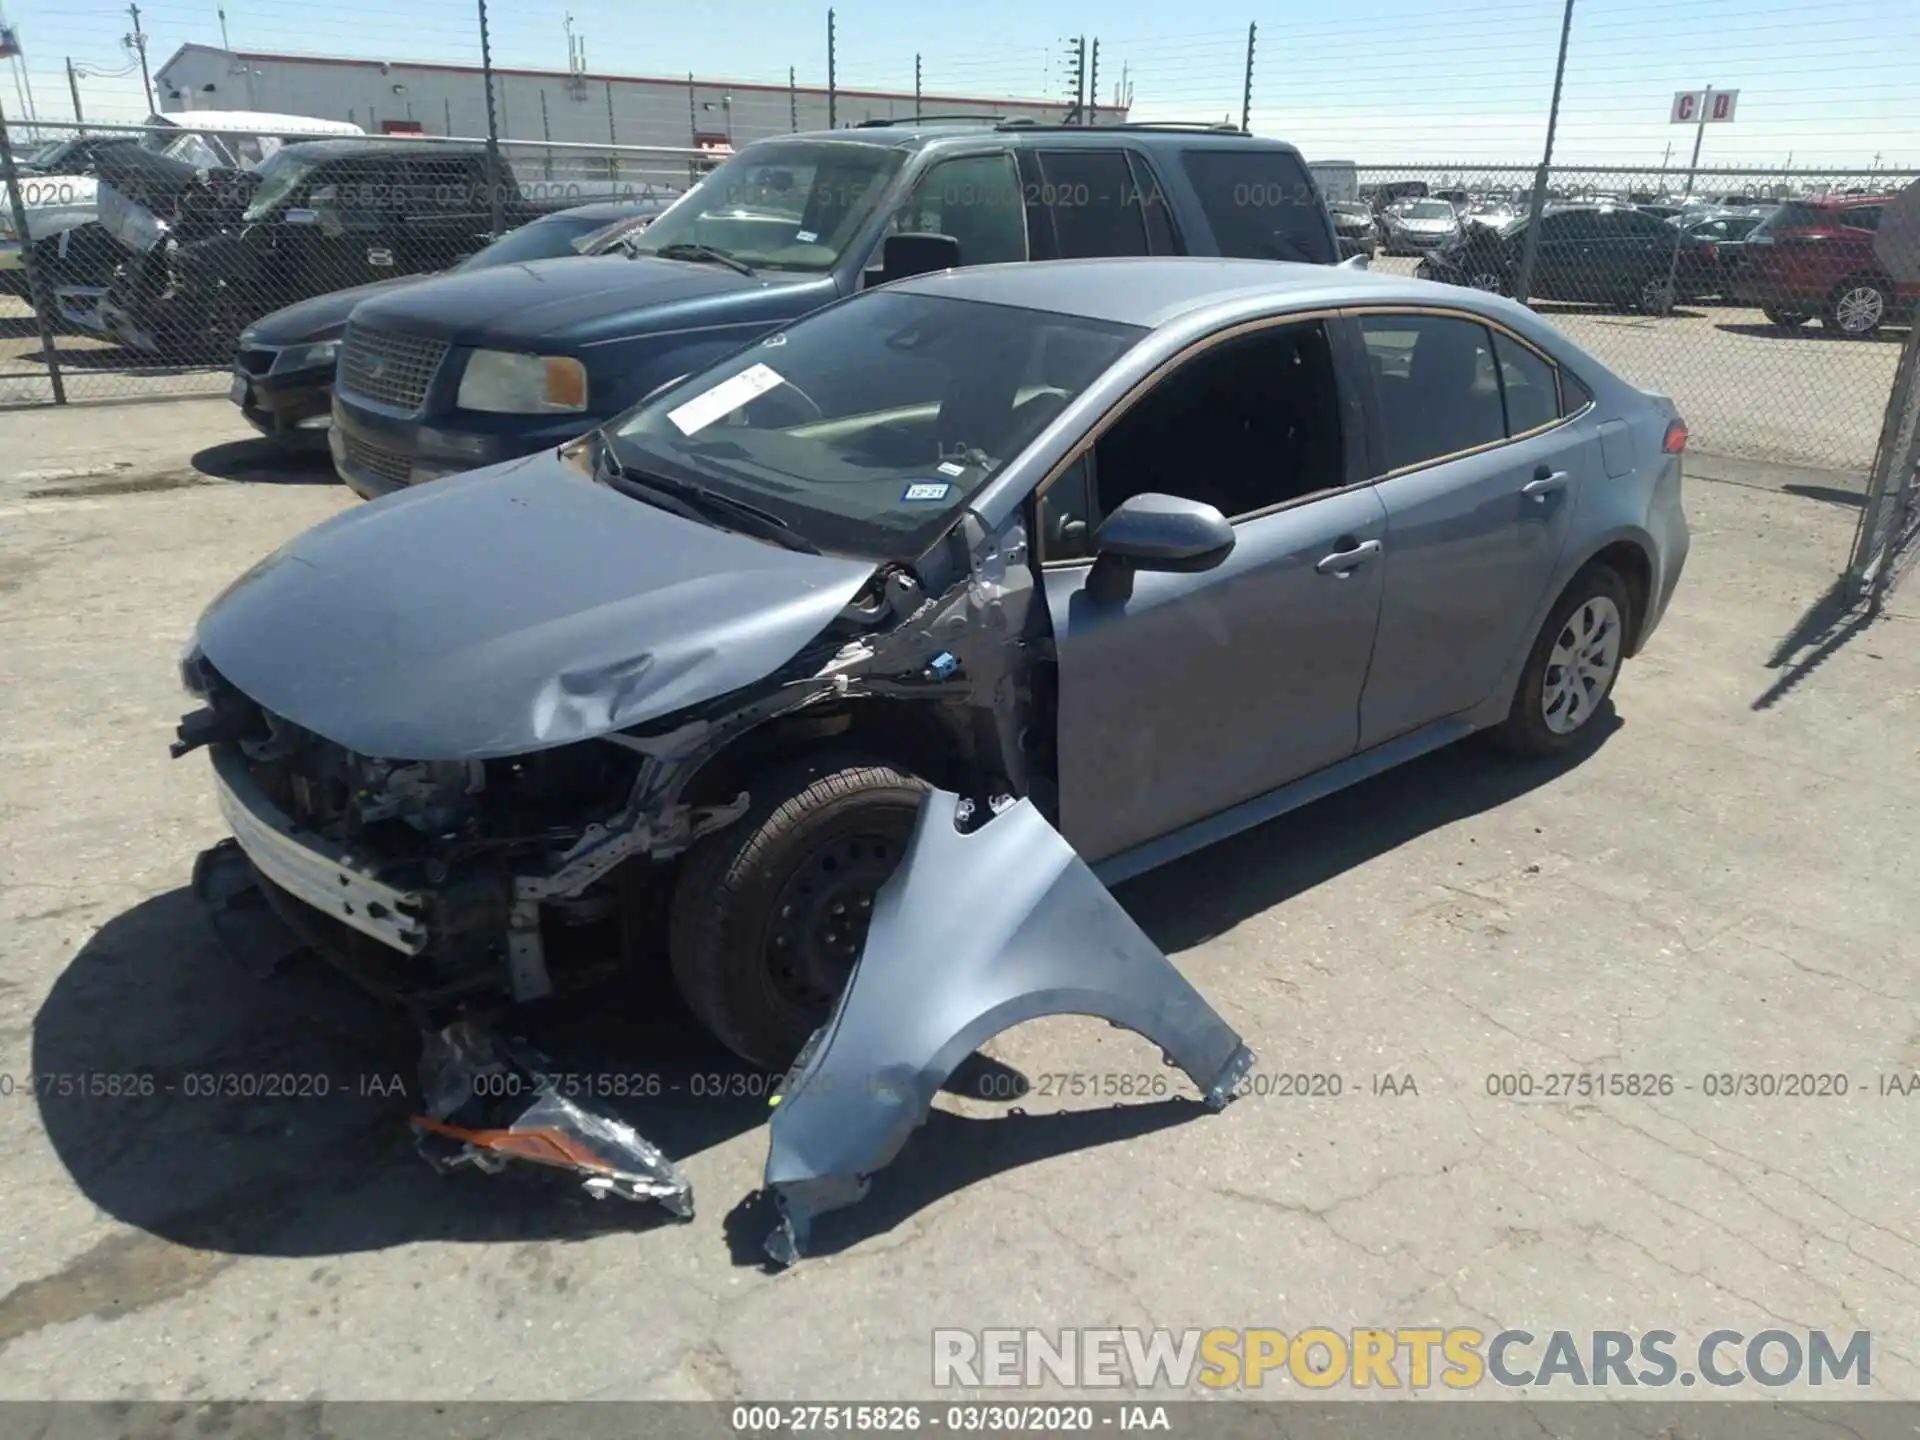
<point>511,610</point>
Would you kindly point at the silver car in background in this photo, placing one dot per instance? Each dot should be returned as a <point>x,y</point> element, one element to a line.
<point>1420,226</point>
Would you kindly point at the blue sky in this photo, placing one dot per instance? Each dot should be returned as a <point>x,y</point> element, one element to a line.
<point>1373,80</point>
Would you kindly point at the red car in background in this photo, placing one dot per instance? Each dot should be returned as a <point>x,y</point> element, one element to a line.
<point>1815,257</point>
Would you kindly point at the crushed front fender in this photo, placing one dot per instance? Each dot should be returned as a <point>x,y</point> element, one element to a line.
<point>975,932</point>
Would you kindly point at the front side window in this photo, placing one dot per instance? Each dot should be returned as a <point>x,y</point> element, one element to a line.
<point>1245,425</point>
<point>867,426</point>
<point>281,177</point>
<point>976,199</point>
<point>1438,391</point>
<point>1261,204</point>
<point>781,205</point>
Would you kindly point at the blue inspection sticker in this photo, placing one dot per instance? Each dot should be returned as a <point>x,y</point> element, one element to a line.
<point>921,490</point>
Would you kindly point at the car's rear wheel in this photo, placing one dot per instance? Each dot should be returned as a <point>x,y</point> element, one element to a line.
<point>1655,296</point>
<point>1572,667</point>
<point>1786,319</point>
<point>770,913</point>
<point>1857,307</point>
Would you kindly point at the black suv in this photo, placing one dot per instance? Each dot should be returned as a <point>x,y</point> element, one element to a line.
<point>469,370</point>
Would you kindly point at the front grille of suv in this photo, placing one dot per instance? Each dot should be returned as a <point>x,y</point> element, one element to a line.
<point>388,369</point>
<point>372,460</point>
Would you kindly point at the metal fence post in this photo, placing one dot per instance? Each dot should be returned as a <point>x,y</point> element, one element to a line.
<point>1886,514</point>
<point>1246,91</point>
<point>833,78</point>
<point>493,128</point>
<point>1523,282</point>
<point>37,295</point>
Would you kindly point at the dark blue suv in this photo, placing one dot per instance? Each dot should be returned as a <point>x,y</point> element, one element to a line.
<point>469,370</point>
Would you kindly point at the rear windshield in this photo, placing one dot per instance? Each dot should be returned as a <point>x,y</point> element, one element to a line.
<point>1261,204</point>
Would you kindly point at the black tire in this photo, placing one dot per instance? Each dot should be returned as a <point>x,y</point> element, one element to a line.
<point>1526,730</point>
<point>1858,307</point>
<point>751,934</point>
<point>1786,319</point>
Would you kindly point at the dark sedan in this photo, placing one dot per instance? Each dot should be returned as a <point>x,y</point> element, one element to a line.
<point>283,372</point>
<point>1596,254</point>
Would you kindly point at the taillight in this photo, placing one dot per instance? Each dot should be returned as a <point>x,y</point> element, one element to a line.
<point>1710,250</point>
<point>1676,440</point>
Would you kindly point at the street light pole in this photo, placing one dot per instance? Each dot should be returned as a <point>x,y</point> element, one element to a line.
<point>1523,282</point>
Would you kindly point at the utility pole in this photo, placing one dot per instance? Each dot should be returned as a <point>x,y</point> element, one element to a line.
<point>833,82</point>
<point>73,89</point>
<point>546,133</point>
<point>493,126</point>
<point>1093,84</point>
<point>1246,92</point>
<point>140,44</point>
<point>1076,113</point>
<point>36,286</point>
<point>916,87</point>
<point>1523,282</point>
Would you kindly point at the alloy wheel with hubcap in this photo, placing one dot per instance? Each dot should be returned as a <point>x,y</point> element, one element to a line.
<point>1656,296</point>
<point>1581,666</point>
<point>1489,281</point>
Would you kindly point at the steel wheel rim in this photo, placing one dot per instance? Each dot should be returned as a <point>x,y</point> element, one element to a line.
<point>1488,281</point>
<point>1581,666</point>
<point>1861,308</point>
<point>820,917</point>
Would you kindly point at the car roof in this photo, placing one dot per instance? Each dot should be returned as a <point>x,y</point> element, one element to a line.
<point>1153,291</point>
<point>331,149</point>
<point>910,134</point>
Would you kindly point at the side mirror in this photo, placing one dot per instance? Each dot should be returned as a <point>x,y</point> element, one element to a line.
<point>915,253</point>
<point>1156,532</point>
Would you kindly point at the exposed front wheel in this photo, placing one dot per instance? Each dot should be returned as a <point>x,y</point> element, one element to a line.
<point>770,913</point>
<point>1572,667</point>
<point>1655,296</point>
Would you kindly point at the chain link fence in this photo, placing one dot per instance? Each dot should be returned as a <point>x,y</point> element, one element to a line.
<point>146,256</point>
<point>1889,530</point>
<point>1751,298</point>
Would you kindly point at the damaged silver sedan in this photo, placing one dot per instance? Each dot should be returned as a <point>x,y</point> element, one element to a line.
<point>1140,552</point>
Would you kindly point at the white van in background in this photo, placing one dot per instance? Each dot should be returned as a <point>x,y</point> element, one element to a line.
<point>1336,179</point>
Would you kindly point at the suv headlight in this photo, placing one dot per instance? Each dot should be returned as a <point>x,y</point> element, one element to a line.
<point>511,384</point>
<point>304,357</point>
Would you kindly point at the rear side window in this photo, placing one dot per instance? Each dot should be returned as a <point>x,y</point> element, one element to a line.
<point>1861,217</point>
<point>1533,397</point>
<point>1262,204</point>
<point>1096,206</point>
<point>1439,394</point>
<point>1574,395</point>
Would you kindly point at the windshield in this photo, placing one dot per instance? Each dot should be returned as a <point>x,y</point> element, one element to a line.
<point>1429,210</point>
<point>541,240</point>
<point>281,175</point>
<point>866,427</point>
<point>781,205</point>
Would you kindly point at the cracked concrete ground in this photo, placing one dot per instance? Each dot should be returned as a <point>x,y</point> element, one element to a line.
<point>1727,883</point>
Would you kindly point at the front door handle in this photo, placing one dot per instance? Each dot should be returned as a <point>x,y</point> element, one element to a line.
<point>1343,563</point>
<point>1545,482</point>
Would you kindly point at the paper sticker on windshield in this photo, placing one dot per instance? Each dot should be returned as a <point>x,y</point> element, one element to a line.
<point>926,490</point>
<point>805,237</point>
<point>723,399</point>
<point>948,467</point>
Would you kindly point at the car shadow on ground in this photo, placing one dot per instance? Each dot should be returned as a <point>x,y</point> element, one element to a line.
<point>230,1114</point>
<point>262,461</point>
<point>1886,334</point>
<point>1829,494</point>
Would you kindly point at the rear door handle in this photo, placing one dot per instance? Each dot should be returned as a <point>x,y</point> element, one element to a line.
<point>1545,482</point>
<point>1343,563</point>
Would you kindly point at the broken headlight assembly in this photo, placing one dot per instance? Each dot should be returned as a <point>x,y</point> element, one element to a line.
<point>507,383</point>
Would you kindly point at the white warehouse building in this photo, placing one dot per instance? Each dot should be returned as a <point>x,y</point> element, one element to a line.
<point>429,98</point>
